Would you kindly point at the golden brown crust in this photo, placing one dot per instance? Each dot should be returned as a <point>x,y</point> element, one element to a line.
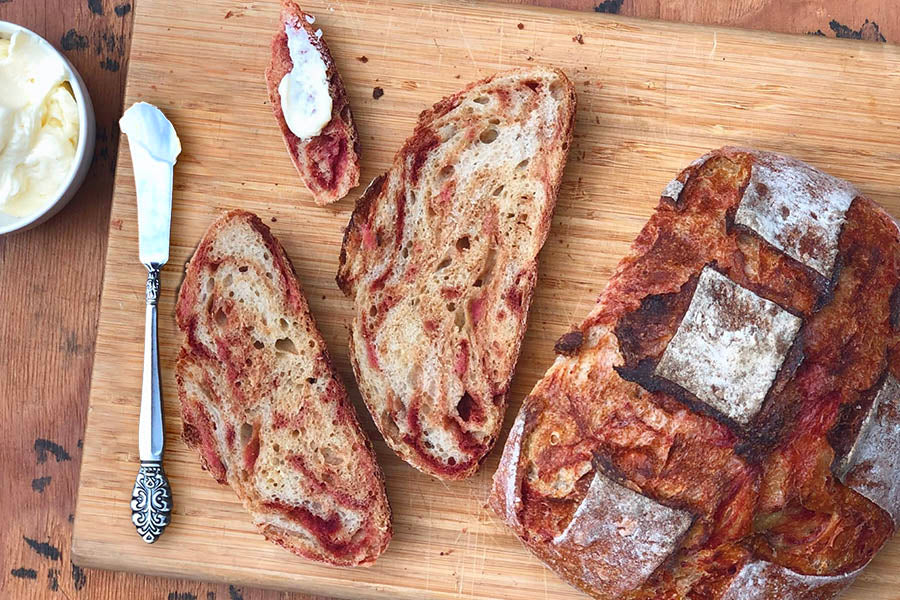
<point>760,241</point>
<point>329,162</point>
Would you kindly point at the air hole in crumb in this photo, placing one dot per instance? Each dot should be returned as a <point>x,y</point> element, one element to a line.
<point>312,344</point>
<point>276,448</point>
<point>246,432</point>
<point>285,345</point>
<point>405,252</point>
<point>554,438</point>
<point>330,456</point>
<point>227,281</point>
<point>221,317</point>
<point>243,269</point>
<point>446,171</point>
<point>451,461</point>
<point>522,164</point>
<point>462,243</point>
<point>451,307</point>
<point>268,274</point>
<point>390,426</point>
<point>464,406</point>
<point>373,311</point>
<point>498,190</point>
<point>295,433</point>
<point>258,345</point>
<point>428,444</point>
<point>310,380</point>
<point>494,121</point>
<point>266,255</point>
<point>482,100</point>
<point>460,318</point>
<point>283,323</point>
<point>488,135</point>
<point>478,282</point>
<point>556,90</point>
<point>357,537</point>
<point>443,264</point>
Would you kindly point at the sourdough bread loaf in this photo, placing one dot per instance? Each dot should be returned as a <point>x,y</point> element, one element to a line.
<point>725,422</point>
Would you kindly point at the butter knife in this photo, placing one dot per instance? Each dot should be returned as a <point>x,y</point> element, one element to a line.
<point>154,147</point>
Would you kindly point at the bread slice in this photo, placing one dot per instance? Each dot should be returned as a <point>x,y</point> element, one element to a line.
<point>262,404</point>
<point>440,258</point>
<point>328,163</point>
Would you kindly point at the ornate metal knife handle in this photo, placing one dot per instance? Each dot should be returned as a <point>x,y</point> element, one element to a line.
<point>151,499</point>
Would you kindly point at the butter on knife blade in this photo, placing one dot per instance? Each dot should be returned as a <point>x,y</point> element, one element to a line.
<point>154,147</point>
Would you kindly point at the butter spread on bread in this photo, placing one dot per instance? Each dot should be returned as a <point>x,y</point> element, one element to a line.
<point>263,406</point>
<point>311,107</point>
<point>305,100</point>
<point>440,259</point>
<point>735,391</point>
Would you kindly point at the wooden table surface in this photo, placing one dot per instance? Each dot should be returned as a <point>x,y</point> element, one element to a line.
<point>50,281</point>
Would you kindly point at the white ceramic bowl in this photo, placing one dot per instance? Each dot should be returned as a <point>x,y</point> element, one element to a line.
<point>84,154</point>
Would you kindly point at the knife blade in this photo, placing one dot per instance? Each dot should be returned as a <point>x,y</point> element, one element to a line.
<point>154,146</point>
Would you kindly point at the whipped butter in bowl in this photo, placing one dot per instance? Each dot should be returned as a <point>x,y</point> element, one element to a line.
<point>46,129</point>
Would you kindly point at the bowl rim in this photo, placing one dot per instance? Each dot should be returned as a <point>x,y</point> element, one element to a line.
<point>86,125</point>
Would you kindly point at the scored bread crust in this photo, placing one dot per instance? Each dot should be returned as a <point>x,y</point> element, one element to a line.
<point>263,405</point>
<point>440,258</point>
<point>710,488</point>
<point>329,162</point>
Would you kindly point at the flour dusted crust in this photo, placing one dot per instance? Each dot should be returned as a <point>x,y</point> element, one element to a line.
<point>729,346</point>
<point>741,369</point>
<point>870,465</point>
<point>762,580</point>
<point>619,536</point>
<point>327,163</point>
<point>796,208</point>
<point>440,259</point>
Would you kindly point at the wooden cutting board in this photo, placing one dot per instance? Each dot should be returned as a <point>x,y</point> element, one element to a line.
<point>652,97</point>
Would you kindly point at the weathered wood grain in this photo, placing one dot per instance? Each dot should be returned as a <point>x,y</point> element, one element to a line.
<point>50,286</point>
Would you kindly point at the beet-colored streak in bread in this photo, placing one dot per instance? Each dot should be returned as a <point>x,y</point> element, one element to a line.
<point>263,406</point>
<point>440,259</point>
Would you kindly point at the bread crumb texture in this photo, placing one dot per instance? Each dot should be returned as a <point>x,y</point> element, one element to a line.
<point>263,406</point>
<point>440,260</point>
